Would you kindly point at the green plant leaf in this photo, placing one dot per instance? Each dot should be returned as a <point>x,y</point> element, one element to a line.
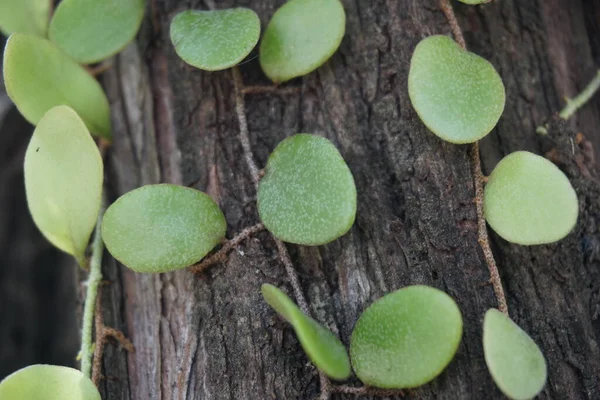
<point>513,359</point>
<point>25,16</point>
<point>48,382</point>
<point>161,228</point>
<point>474,1</point>
<point>325,350</point>
<point>38,76</point>
<point>307,195</point>
<point>92,30</point>
<point>458,95</point>
<point>528,200</point>
<point>302,35</point>
<point>406,338</point>
<point>63,180</point>
<point>215,40</point>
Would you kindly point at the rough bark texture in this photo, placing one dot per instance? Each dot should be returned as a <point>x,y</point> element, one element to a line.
<point>213,337</point>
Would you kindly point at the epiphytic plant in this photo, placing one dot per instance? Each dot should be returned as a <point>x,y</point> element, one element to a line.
<point>63,180</point>
<point>514,360</point>
<point>48,382</point>
<point>159,228</point>
<point>217,39</point>
<point>39,76</point>
<point>458,95</point>
<point>322,347</point>
<point>307,195</point>
<point>300,37</point>
<point>25,16</point>
<point>90,30</point>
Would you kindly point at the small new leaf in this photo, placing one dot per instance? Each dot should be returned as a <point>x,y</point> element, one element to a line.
<point>39,76</point>
<point>48,382</point>
<point>513,359</point>
<point>63,180</point>
<point>528,200</point>
<point>307,195</point>
<point>25,16</point>
<point>92,30</point>
<point>161,228</point>
<point>458,95</point>
<point>406,338</point>
<point>325,350</point>
<point>302,35</point>
<point>215,40</point>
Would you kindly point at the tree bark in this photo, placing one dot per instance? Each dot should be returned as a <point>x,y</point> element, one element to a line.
<point>213,337</point>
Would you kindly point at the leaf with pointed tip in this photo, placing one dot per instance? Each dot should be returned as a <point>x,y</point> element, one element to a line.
<point>48,382</point>
<point>63,180</point>
<point>215,40</point>
<point>307,195</point>
<point>458,95</point>
<point>324,349</point>
<point>161,228</point>
<point>528,200</point>
<point>38,76</point>
<point>513,359</point>
<point>301,37</point>
<point>406,338</point>
<point>25,16</point>
<point>92,30</point>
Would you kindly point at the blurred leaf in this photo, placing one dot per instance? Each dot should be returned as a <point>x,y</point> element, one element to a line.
<point>160,228</point>
<point>528,200</point>
<point>63,180</point>
<point>25,16</point>
<point>215,40</point>
<point>514,360</point>
<point>307,195</point>
<point>92,30</point>
<point>406,338</point>
<point>458,95</point>
<point>324,349</point>
<point>301,37</point>
<point>38,76</point>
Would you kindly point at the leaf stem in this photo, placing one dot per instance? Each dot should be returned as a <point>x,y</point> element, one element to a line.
<point>579,101</point>
<point>478,179</point>
<point>94,279</point>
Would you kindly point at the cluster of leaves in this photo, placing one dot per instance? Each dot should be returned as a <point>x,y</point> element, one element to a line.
<point>408,337</point>
<point>460,97</point>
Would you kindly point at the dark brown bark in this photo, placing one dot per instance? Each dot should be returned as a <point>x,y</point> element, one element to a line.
<point>212,336</point>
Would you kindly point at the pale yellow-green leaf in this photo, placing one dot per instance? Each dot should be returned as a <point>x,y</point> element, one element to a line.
<point>39,76</point>
<point>528,200</point>
<point>25,16</point>
<point>63,180</point>
<point>92,30</point>
<point>512,357</point>
<point>48,382</point>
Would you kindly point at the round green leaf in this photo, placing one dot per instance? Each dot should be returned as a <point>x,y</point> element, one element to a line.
<point>38,76</point>
<point>92,30</point>
<point>325,350</point>
<point>63,180</point>
<point>302,35</point>
<point>528,200</point>
<point>48,382</point>
<point>25,16</point>
<point>215,40</point>
<point>161,228</point>
<point>406,338</point>
<point>474,1</point>
<point>307,195</point>
<point>514,360</point>
<point>458,95</point>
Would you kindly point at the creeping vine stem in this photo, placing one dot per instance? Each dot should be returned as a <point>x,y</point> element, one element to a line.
<point>578,101</point>
<point>479,180</point>
<point>90,298</point>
